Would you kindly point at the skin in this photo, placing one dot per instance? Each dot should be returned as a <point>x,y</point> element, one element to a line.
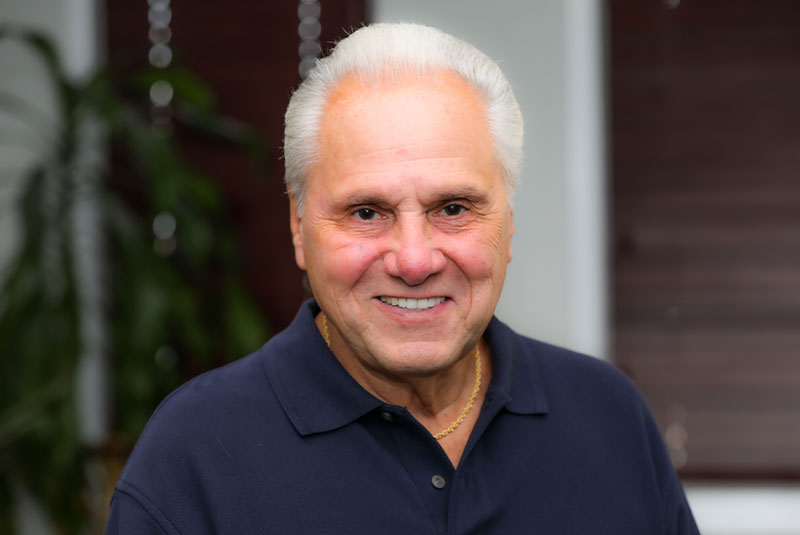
<point>407,200</point>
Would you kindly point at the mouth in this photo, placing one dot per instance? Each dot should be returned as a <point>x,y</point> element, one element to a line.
<point>413,304</point>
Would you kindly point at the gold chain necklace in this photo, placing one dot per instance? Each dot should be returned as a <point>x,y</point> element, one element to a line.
<point>468,407</point>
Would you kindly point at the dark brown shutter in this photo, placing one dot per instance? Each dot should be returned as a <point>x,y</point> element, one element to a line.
<point>706,215</point>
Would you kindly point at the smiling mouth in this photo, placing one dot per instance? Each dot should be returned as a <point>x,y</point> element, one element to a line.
<point>413,304</point>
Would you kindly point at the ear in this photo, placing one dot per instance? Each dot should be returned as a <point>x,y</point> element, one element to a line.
<point>510,234</point>
<point>295,224</point>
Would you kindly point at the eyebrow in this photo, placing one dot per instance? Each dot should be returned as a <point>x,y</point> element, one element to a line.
<point>463,193</point>
<point>358,199</point>
<point>474,194</point>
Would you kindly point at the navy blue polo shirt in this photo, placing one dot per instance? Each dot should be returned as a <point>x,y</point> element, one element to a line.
<point>284,441</point>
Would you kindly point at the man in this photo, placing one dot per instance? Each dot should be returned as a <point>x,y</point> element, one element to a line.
<point>395,402</point>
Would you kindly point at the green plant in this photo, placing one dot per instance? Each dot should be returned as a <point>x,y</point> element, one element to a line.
<point>169,305</point>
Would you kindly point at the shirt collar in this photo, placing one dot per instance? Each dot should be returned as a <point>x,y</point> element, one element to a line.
<point>318,394</point>
<point>515,374</point>
<point>315,391</point>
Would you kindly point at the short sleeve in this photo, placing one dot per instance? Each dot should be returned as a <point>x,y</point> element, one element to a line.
<point>678,516</point>
<point>128,517</point>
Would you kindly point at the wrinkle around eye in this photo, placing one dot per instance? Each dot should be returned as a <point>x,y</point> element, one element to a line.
<point>451,224</point>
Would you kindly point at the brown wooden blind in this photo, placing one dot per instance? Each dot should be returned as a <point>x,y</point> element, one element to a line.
<point>705,115</point>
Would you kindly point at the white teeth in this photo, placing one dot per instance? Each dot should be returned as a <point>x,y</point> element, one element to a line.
<point>413,304</point>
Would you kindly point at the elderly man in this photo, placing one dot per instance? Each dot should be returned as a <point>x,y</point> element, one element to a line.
<point>395,402</point>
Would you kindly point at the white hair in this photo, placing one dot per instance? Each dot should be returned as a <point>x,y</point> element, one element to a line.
<point>386,50</point>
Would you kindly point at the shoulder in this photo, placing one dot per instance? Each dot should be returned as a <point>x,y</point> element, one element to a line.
<point>197,422</point>
<point>558,368</point>
<point>571,387</point>
<point>229,387</point>
<point>594,426</point>
<point>234,406</point>
<point>238,392</point>
<point>568,368</point>
<point>193,436</point>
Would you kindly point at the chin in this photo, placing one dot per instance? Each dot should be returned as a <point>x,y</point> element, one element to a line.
<point>417,362</point>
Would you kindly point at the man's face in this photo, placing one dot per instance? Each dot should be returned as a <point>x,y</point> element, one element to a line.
<point>407,228</point>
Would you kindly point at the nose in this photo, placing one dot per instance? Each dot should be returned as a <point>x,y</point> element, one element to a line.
<point>413,257</point>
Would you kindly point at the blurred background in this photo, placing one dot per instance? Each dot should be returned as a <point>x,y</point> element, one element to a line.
<point>144,236</point>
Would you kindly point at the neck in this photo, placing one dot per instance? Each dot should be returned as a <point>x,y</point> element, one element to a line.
<point>436,400</point>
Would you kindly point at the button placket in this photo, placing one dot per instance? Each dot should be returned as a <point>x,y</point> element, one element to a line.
<point>424,461</point>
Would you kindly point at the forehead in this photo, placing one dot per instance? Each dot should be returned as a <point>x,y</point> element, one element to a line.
<point>431,122</point>
<point>402,82</point>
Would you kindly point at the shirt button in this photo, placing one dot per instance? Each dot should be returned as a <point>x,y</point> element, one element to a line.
<point>438,481</point>
<point>387,416</point>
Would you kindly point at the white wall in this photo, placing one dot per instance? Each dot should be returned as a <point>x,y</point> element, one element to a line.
<point>551,51</point>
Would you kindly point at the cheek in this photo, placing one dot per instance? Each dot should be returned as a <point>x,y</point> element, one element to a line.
<point>480,254</point>
<point>344,261</point>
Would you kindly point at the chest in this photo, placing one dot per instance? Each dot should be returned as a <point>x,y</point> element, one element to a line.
<point>384,474</point>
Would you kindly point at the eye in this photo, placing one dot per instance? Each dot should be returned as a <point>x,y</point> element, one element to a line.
<point>453,210</point>
<point>366,214</point>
